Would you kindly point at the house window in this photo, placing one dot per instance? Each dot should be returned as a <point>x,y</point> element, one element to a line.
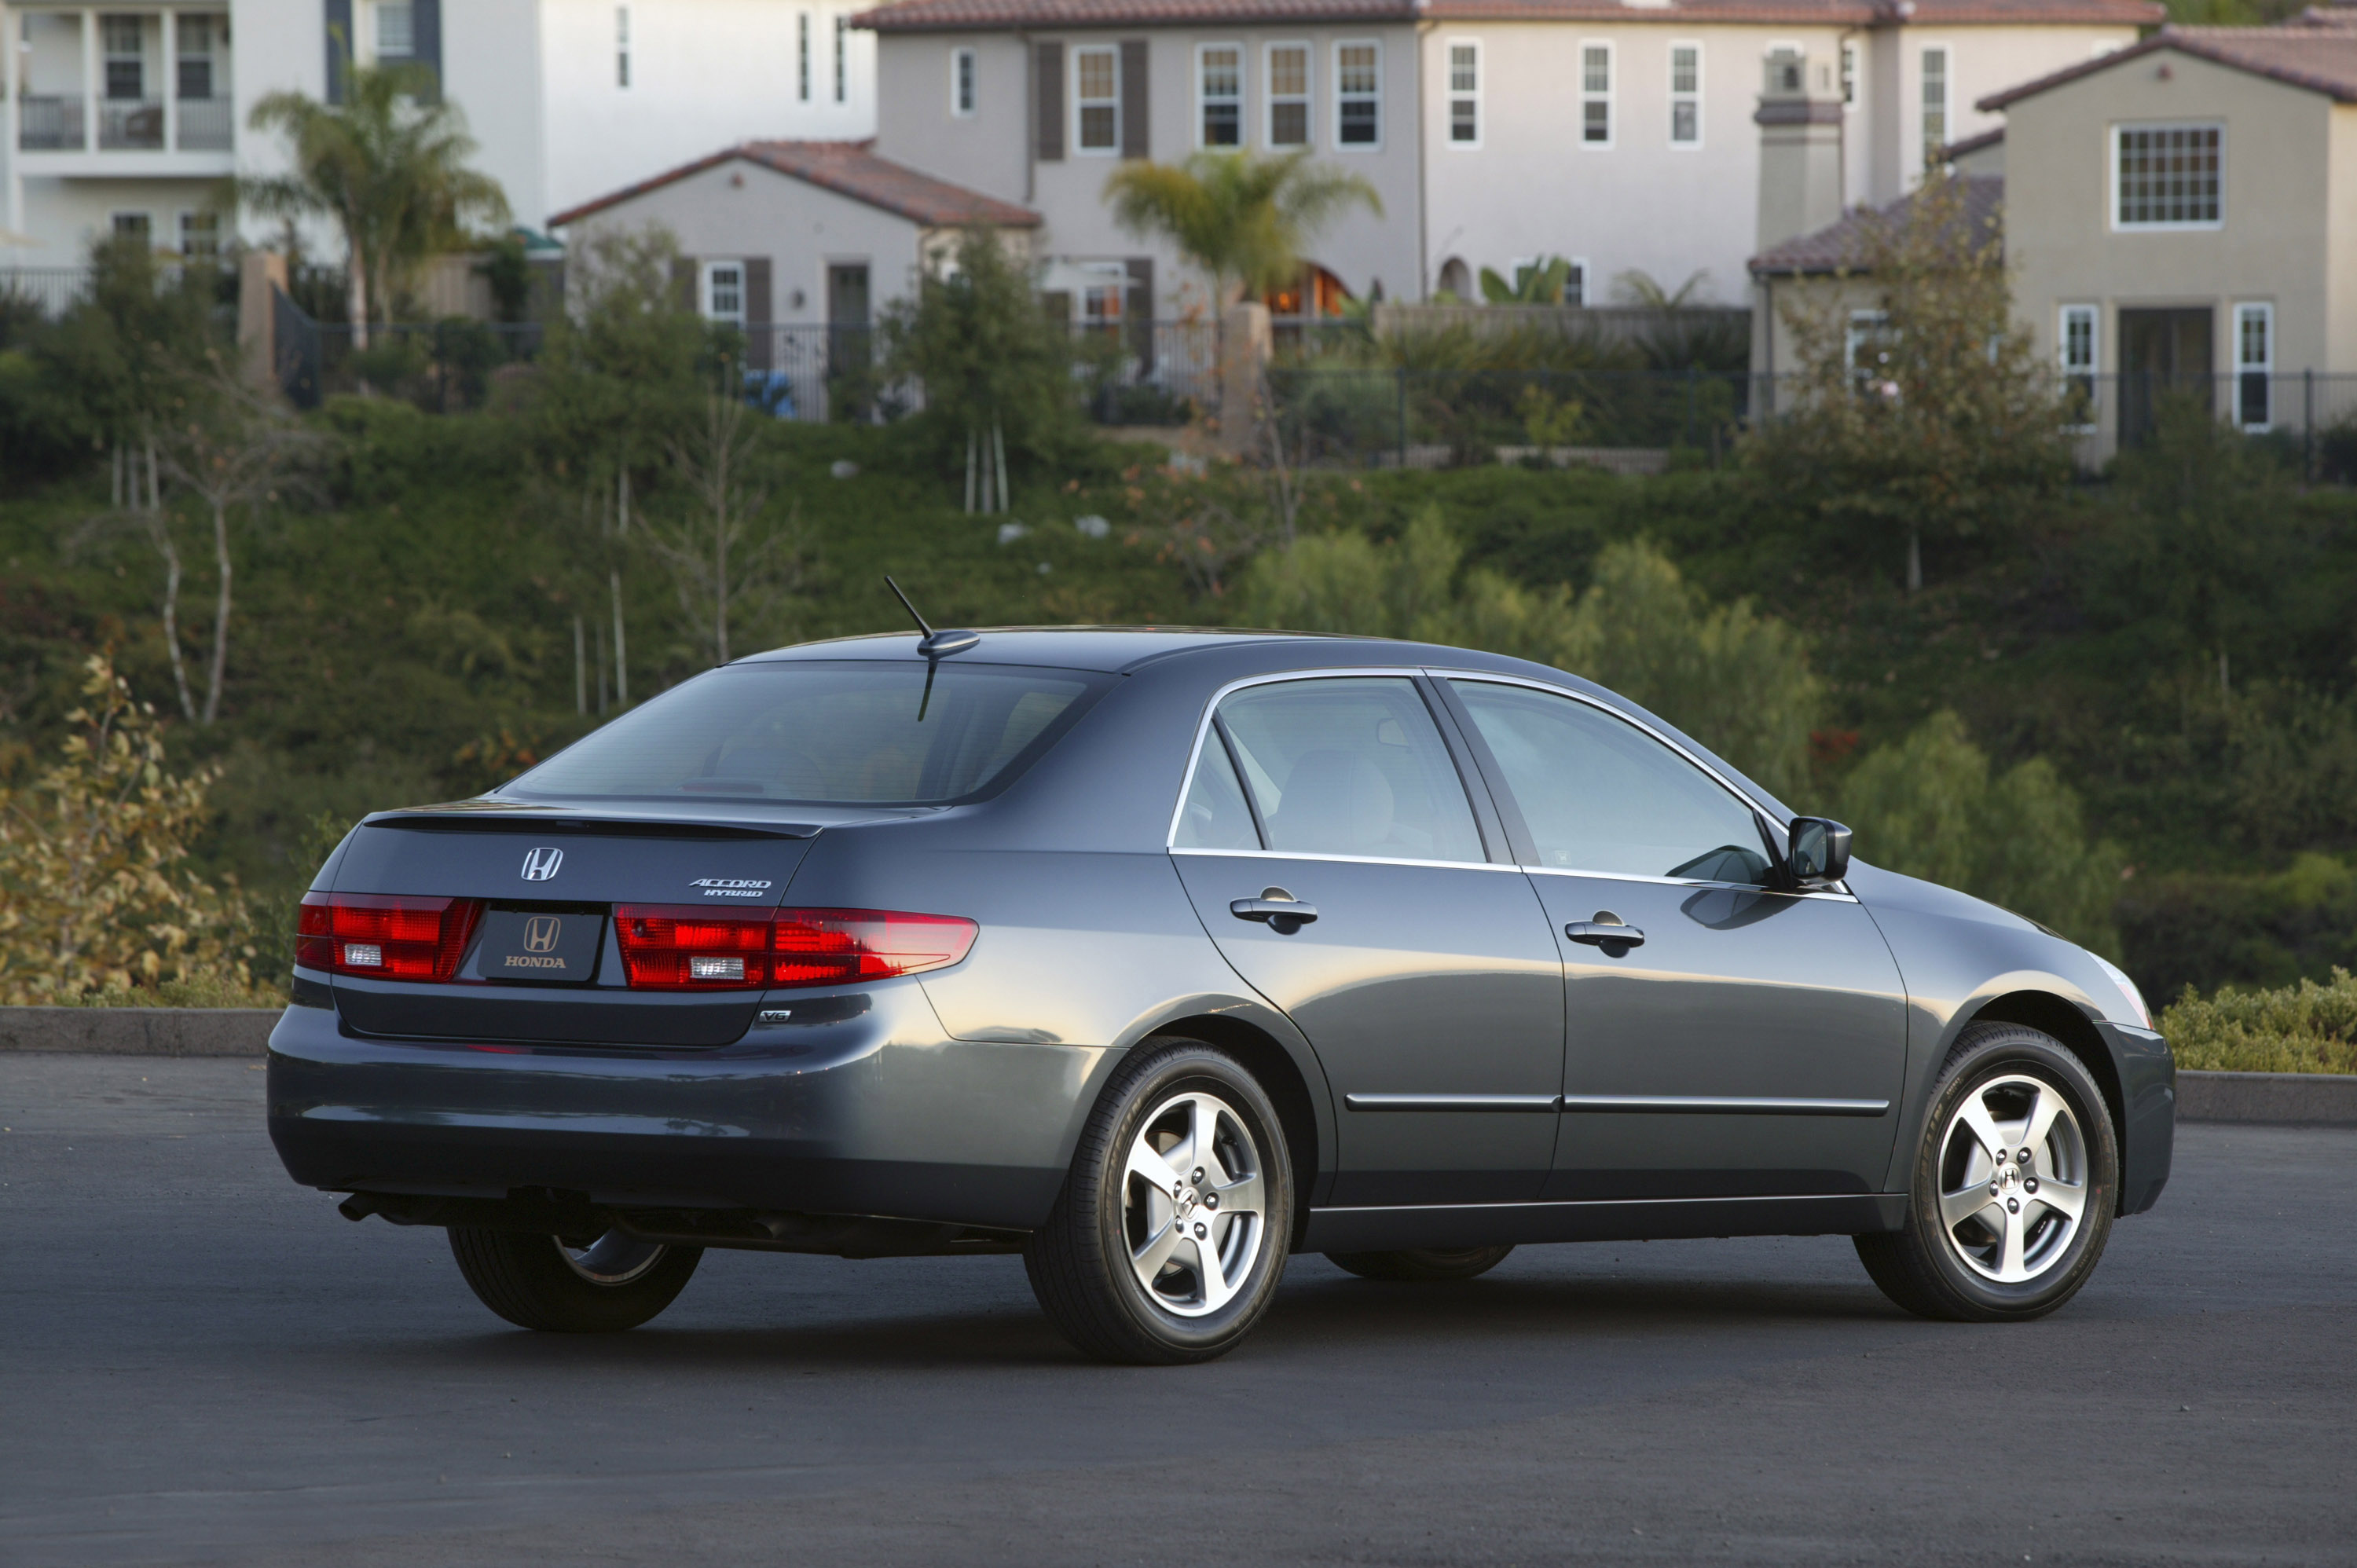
<point>126,74</point>
<point>2166,176</point>
<point>1288,95</point>
<point>622,46</point>
<point>1096,100</point>
<point>1464,93</point>
<point>2078,345</point>
<point>131,226</point>
<point>396,30</point>
<point>1220,86</point>
<point>842,62</point>
<point>1101,308</point>
<point>201,235</point>
<point>724,292</point>
<point>1866,348</point>
<point>1358,94</point>
<point>1849,76</point>
<point>1575,282</point>
<point>194,46</point>
<point>962,82</point>
<point>1935,105</point>
<point>2255,365</point>
<point>1685,95</point>
<point>802,57</point>
<point>1596,95</point>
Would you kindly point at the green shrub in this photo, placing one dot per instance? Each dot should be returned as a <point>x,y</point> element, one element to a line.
<point>2306,1028</point>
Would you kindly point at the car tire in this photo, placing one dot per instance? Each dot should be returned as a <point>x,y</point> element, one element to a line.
<point>1156,1264</point>
<point>571,1285</point>
<point>1985,1239</point>
<point>1422,1265</point>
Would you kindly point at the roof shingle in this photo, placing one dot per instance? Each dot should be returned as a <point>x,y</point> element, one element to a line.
<point>983,15</point>
<point>1840,246</point>
<point>847,169</point>
<point>2318,53</point>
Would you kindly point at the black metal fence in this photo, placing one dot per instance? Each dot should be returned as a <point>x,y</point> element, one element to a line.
<point>1330,415</point>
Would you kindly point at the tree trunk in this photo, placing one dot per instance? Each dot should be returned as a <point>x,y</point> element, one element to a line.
<point>162,534</point>
<point>1914,559</point>
<point>580,669</point>
<point>621,664</point>
<point>998,447</point>
<point>221,612</point>
<point>356,291</point>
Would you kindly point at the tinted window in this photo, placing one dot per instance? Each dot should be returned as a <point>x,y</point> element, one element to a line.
<point>1349,766</point>
<point>841,734</point>
<point>1215,816</point>
<point>1600,794</point>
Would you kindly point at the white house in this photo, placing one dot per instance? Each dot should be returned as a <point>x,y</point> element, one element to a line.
<point>125,117</point>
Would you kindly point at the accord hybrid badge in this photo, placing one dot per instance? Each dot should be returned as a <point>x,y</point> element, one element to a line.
<point>730,887</point>
<point>539,865</point>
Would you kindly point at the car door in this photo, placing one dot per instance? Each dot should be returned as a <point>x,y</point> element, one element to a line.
<point>1421,971</point>
<point>1744,1038</point>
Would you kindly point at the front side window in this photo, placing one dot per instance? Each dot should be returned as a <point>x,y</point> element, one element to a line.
<point>2255,365</point>
<point>1096,100</point>
<point>1600,795</point>
<point>1685,95</point>
<point>1935,105</point>
<point>1465,93</point>
<point>1358,95</point>
<point>868,734</point>
<point>2167,176</point>
<point>724,292</point>
<point>1219,92</point>
<point>963,92</point>
<point>1353,765</point>
<point>1596,95</point>
<point>1288,95</point>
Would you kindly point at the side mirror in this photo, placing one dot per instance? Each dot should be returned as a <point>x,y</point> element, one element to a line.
<point>1819,851</point>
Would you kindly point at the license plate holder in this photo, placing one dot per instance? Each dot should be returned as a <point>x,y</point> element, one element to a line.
<point>540,947</point>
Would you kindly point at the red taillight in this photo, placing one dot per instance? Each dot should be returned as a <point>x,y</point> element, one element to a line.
<point>668,947</point>
<point>392,937</point>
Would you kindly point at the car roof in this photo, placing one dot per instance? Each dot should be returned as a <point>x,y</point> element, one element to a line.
<point>1112,648</point>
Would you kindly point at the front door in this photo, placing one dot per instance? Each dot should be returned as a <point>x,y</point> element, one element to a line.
<point>2163,353</point>
<point>1420,970</point>
<point>1741,1040</point>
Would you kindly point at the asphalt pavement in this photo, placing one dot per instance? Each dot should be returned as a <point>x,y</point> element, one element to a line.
<point>201,1362</point>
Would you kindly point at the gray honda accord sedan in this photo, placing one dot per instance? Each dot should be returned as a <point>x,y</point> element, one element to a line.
<point>1159,955</point>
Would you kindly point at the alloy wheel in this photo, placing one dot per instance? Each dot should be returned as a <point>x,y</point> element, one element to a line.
<point>613,1259</point>
<point>1193,1203</point>
<point>2013,1178</point>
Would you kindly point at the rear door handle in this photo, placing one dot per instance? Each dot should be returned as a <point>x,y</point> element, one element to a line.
<point>1596,934</point>
<point>1272,909</point>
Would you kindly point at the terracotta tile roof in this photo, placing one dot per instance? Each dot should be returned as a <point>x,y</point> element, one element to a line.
<point>982,15</point>
<point>2319,55</point>
<point>1971,145</point>
<point>1839,245</point>
<point>847,169</point>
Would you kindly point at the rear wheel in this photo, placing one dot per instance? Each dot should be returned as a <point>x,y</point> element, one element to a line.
<point>580,1285</point>
<point>1422,1264</point>
<point>2014,1187</point>
<point>1169,1237</point>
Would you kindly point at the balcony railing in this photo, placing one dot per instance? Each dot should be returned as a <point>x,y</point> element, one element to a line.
<point>206,125</point>
<point>131,122</point>
<point>49,124</point>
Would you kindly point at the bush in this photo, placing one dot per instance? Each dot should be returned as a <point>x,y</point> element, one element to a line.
<point>2264,930</point>
<point>2303,1029</point>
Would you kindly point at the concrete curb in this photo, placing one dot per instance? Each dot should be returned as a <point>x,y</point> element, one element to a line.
<point>138,1031</point>
<point>2315,1098</point>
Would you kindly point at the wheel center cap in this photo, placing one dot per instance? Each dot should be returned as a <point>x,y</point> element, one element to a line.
<point>2009,1178</point>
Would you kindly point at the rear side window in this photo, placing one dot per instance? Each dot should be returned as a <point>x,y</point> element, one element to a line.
<point>1349,766</point>
<point>864,735</point>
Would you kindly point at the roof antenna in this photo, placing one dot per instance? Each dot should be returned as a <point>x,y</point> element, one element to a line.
<point>933,644</point>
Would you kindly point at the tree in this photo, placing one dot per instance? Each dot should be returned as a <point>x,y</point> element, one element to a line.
<point>1930,414</point>
<point>1930,806</point>
<point>1543,282</point>
<point>719,553</point>
<point>387,167</point>
<point>990,360</point>
<point>1243,219</point>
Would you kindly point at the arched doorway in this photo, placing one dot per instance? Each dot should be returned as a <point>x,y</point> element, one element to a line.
<point>1317,294</point>
<point>1456,278</point>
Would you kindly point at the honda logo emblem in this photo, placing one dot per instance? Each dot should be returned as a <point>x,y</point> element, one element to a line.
<point>540,933</point>
<point>539,865</point>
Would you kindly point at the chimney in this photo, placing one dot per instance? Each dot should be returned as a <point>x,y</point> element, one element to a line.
<point>1800,122</point>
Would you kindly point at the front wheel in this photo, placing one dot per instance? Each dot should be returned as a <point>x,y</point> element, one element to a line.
<point>1169,1237</point>
<point>560,1284</point>
<point>2014,1187</point>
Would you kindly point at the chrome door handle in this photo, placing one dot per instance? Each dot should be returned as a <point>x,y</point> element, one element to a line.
<point>1273,909</point>
<point>1598,934</point>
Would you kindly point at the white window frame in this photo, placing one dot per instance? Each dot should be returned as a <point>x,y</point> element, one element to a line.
<point>802,57</point>
<point>1470,97</point>
<point>1694,97</point>
<point>1860,328</point>
<point>1581,272</point>
<point>2112,194</point>
<point>142,222</point>
<point>622,47</point>
<point>1342,99</point>
<point>965,83</point>
<point>187,222</point>
<point>842,57</point>
<point>1611,109</point>
<point>2264,313</point>
<point>1847,66</point>
<point>707,282</point>
<point>2072,369</point>
<point>1080,146</point>
<point>1947,136</point>
<point>1203,100</point>
<point>1271,99</point>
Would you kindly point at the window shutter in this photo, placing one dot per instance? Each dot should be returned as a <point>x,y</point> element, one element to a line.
<point>426,34</point>
<point>340,44</point>
<point>1048,88</point>
<point>683,282</point>
<point>1133,99</point>
<point>1140,308</point>
<point>758,337</point>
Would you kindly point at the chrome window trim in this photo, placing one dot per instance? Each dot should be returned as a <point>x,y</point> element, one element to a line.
<point>1347,859</point>
<point>1839,896</point>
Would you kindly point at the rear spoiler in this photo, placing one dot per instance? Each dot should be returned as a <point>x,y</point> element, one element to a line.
<point>469,817</point>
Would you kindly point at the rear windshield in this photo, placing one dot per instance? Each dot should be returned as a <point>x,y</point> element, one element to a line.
<point>863,735</point>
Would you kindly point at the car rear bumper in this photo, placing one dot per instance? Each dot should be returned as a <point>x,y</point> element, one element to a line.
<point>2147,1113</point>
<point>868,1110</point>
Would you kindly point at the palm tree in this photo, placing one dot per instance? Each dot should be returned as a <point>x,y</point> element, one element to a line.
<point>388,167</point>
<point>1243,219</point>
